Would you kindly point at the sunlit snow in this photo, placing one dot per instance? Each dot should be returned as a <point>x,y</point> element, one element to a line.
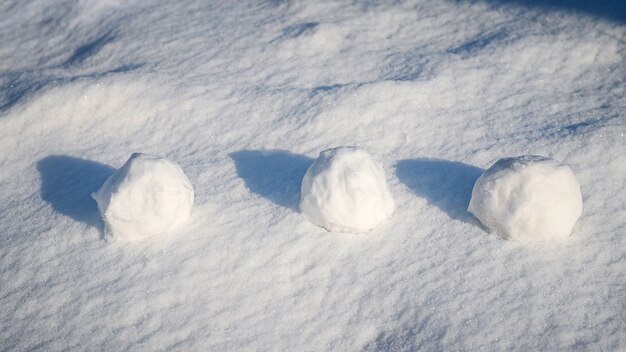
<point>243,96</point>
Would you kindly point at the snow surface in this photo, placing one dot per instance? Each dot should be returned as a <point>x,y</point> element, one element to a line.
<point>230,90</point>
<point>527,198</point>
<point>346,190</point>
<point>149,195</point>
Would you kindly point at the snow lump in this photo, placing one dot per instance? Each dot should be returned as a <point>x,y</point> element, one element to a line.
<point>528,198</point>
<point>345,190</point>
<point>147,196</point>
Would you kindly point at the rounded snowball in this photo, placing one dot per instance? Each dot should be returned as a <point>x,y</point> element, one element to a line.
<point>346,190</point>
<point>528,198</point>
<point>148,195</point>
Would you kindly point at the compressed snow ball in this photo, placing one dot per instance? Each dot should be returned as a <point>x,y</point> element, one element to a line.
<point>345,190</point>
<point>528,198</point>
<point>147,196</point>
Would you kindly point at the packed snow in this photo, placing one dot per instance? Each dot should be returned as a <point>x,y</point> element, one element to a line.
<point>149,195</point>
<point>243,95</point>
<point>346,190</point>
<point>527,198</point>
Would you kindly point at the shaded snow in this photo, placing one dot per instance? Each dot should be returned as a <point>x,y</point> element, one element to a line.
<point>436,91</point>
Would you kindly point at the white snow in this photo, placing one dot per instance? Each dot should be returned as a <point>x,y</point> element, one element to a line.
<point>527,198</point>
<point>346,190</point>
<point>149,195</point>
<point>243,95</point>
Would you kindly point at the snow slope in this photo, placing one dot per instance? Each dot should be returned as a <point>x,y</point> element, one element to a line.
<point>243,95</point>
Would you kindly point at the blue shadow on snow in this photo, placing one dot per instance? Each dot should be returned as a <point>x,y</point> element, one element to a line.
<point>21,85</point>
<point>614,10</point>
<point>445,184</point>
<point>273,174</point>
<point>89,49</point>
<point>299,29</point>
<point>67,183</point>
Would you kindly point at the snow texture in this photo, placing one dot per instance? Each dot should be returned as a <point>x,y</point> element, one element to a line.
<point>346,190</point>
<point>149,195</point>
<point>243,95</point>
<point>527,198</point>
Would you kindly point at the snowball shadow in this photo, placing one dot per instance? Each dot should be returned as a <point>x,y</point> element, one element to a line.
<point>273,174</point>
<point>446,184</point>
<point>67,183</point>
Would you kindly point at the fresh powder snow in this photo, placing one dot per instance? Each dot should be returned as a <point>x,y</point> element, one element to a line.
<point>527,198</point>
<point>346,190</point>
<point>243,95</point>
<point>149,195</point>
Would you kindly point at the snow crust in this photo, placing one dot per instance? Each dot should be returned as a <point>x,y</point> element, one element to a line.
<point>527,198</point>
<point>149,195</point>
<point>243,95</point>
<point>346,190</point>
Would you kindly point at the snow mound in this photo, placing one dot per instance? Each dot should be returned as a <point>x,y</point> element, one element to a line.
<point>528,198</point>
<point>346,190</point>
<point>148,195</point>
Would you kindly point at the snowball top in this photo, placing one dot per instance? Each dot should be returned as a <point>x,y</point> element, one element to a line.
<point>148,195</point>
<point>528,198</point>
<point>345,190</point>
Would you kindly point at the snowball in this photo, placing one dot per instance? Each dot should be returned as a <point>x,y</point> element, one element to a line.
<point>528,198</point>
<point>345,190</point>
<point>148,195</point>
